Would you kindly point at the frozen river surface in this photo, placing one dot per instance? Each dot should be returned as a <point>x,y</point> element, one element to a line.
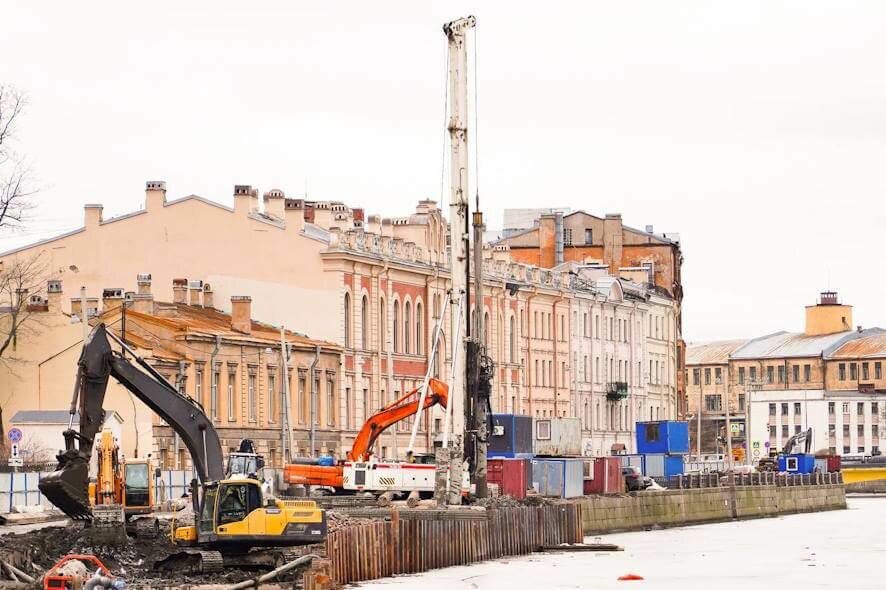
<point>837,549</point>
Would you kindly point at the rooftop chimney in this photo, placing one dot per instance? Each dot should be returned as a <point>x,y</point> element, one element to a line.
<point>144,284</point>
<point>245,199</point>
<point>241,313</point>
<point>155,194</point>
<point>208,299</point>
<point>112,298</point>
<point>196,290</point>
<point>92,215</point>
<point>54,294</point>
<point>275,203</point>
<point>179,290</point>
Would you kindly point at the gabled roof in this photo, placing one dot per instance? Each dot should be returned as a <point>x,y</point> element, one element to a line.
<point>787,345</point>
<point>712,353</point>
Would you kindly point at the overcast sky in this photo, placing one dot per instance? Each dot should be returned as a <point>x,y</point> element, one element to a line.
<point>757,130</point>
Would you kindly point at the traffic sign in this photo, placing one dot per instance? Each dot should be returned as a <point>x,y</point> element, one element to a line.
<point>16,462</point>
<point>756,444</point>
<point>14,435</point>
<point>15,451</point>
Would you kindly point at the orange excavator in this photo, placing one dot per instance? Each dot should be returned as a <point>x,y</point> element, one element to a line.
<point>309,472</point>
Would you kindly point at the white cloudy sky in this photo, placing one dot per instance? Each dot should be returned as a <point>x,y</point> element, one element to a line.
<point>757,130</point>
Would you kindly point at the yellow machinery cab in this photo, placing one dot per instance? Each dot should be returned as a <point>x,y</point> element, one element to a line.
<point>234,512</point>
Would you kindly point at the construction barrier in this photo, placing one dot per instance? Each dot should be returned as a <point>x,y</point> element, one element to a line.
<point>714,480</point>
<point>419,543</point>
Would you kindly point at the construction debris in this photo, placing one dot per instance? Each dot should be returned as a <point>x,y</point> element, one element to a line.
<point>583,547</point>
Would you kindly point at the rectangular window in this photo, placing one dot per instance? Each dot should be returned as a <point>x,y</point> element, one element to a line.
<point>831,408</point>
<point>796,408</point>
<point>330,402</point>
<point>712,403</point>
<point>860,448</point>
<point>797,428</point>
<point>784,409</point>
<point>878,370</point>
<point>832,429</point>
<point>741,402</point>
<point>213,396</point>
<point>861,430</point>
<point>772,432</point>
<point>795,369</point>
<point>367,405</point>
<point>841,371</point>
<point>718,375</point>
<point>875,410</point>
<point>781,373</point>
<point>252,398</point>
<point>859,409</point>
<point>589,236</point>
<point>845,431</point>
<point>707,376</point>
<point>864,371</point>
<point>772,409</point>
<point>567,236</point>
<point>853,371</point>
<point>784,431</point>
<point>875,430</point>
<point>272,395</point>
<point>315,394</point>
<point>769,374</point>
<point>807,373</point>
<point>198,385</point>
<point>845,407</point>
<point>696,376</point>
<point>753,374</point>
<point>846,449</point>
<point>741,375</point>
<point>232,380</point>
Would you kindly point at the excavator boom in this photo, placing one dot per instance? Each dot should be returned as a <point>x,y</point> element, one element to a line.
<point>67,487</point>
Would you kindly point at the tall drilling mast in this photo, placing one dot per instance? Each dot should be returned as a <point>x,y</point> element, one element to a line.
<point>459,238</point>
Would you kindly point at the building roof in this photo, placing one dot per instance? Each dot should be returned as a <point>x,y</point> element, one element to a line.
<point>787,345</point>
<point>196,320</point>
<point>52,417</point>
<point>712,353</point>
<point>871,346</point>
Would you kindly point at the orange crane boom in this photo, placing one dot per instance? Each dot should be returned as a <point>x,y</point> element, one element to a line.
<point>406,406</point>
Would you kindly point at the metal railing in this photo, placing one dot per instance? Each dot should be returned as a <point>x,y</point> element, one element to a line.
<point>716,480</point>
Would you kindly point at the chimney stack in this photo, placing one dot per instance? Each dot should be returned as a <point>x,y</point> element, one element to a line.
<point>245,199</point>
<point>196,290</point>
<point>112,299</point>
<point>180,291</point>
<point>275,203</point>
<point>241,313</point>
<point>92,215</point>
<point>144,284</point>
<point>208,300</point>
<point>54,294</point>
<point>155,194</point>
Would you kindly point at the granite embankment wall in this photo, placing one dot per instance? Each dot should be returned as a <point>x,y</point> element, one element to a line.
<point>875,486</point>
<point>602,514</point>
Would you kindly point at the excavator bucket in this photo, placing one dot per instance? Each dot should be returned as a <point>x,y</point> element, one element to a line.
<point>68,487</point>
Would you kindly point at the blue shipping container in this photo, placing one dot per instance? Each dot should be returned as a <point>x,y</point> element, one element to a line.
<point>663,466</point>
<point>663,436</point>
<point>511,437</point>
<point>796,463</point>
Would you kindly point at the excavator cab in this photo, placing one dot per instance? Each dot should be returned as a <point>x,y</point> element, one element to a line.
<point>235,512</point>
<point>138,486</point>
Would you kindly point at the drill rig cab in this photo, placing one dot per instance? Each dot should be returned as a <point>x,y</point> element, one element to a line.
<point>231,513</point>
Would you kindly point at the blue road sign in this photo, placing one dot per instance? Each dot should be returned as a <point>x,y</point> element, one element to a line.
<point>14,434</point>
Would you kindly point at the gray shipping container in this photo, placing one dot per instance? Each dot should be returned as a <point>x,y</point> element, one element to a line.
<point>557,437</point>
<point>559,478</point>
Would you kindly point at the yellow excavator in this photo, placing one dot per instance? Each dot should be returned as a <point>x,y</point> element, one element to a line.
<point>122,493</point>
<point>231,514</point>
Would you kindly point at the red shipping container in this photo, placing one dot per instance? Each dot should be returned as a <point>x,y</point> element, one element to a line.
<point>511,476</point>
<point>834,463</point>
<point>607,477</point>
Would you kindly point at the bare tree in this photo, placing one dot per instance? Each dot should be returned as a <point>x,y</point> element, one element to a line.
<point>22,283</point>
<point>16,183</point>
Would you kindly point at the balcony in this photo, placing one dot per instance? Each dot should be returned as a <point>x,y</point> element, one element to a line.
<point>617,391</point>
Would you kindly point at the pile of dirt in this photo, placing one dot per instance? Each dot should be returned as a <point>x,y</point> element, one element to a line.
<point>336,520</point>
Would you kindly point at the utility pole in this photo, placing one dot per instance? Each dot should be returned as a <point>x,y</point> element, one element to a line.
<point>286,422</point>
<point>458,228</point>
<point>479,389</point>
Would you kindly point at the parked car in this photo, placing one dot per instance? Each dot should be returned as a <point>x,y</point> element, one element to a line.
<point>634,479</point>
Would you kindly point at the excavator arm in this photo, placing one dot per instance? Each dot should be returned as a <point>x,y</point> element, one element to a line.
<point>394,412</point>
<point>67,487</point>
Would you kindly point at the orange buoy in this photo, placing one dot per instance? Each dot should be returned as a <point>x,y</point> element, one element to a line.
<point>630,577</point>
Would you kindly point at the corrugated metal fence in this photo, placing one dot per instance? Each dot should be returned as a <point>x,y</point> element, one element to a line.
<point>416,544</point>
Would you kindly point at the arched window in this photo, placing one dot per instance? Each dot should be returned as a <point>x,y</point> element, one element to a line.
<point>486,328</point>
<point>396,326</point>
<point>407,326</point>
<point>512,335</point>
<point>347,320</point>
<point>364,322</point>
<point>419,336</point>
<point>382,326</point>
